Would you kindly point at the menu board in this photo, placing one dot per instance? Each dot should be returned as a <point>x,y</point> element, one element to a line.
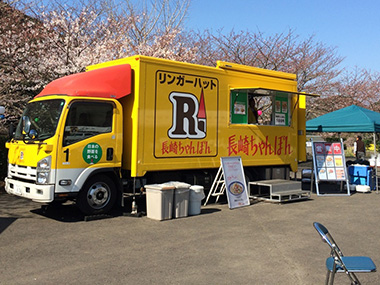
<point>281,109</point>
<point>239,107</point>
<point>329,161</point>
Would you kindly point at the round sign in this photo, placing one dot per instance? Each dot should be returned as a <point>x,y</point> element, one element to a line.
<point>236,188</point>
<point>92,153</point>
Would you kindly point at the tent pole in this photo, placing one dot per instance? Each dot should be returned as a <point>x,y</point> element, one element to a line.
<point>374,144</point>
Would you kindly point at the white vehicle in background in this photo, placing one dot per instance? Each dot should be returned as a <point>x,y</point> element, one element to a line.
<point>2,111</point>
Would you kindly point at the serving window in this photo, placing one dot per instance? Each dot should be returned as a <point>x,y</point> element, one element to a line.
<point>260,106</point>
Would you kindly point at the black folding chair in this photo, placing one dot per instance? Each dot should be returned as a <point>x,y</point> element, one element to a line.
<point>337,262</point>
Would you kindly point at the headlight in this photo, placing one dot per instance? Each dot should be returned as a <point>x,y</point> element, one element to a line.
<point>43,170</point>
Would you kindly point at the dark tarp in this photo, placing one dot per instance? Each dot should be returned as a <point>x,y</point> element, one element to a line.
<point>352,119</point>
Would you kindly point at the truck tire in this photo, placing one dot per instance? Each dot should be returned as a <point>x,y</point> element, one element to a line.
<point>97,196</point>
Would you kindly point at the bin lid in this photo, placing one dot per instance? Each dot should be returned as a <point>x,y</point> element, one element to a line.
<point>159,187</point>
<point>178,185</point>
<point>197,188</point>
<point>363,188</point>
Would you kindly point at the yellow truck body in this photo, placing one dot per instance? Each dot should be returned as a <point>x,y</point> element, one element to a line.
<point>166,117</point>
<point>150,114</point>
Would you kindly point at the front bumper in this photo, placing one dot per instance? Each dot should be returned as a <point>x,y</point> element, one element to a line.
<point>37,193</point>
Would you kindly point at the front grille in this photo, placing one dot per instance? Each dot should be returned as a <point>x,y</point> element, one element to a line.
<point>24,173</point>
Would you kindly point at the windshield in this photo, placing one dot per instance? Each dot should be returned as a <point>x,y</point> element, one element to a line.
<point>44,116</point>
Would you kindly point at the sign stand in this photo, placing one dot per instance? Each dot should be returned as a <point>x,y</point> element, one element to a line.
<point>230,179</point>
<point>329,165</point>
<point>218,186</point>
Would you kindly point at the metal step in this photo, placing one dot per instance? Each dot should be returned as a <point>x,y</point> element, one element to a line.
<point>279,190</point>
<point>293,195</point>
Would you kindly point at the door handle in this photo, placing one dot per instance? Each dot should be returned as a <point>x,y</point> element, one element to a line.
<point>109,153</point>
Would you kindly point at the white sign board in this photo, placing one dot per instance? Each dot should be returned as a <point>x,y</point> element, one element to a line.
<point>234,179</point>
<point>279,119</point>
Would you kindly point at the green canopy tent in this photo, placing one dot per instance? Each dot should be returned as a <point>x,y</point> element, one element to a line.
<point>352,119</point>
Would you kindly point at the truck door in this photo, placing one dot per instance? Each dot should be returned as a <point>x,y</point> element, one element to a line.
<point>88,142</point>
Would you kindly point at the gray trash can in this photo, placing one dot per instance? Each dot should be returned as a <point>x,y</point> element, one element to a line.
<point>181,198</point>
<point>195,199</point>
<point>159,201</point>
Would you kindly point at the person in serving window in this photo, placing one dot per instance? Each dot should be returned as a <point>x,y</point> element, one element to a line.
<point>252,112</point>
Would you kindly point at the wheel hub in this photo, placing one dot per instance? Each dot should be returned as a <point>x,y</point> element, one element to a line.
<point>98,195</point>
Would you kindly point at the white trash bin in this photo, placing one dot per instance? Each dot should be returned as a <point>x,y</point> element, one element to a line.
<point>159,201</point>
<point>181,198</point>
<point>195,199</point>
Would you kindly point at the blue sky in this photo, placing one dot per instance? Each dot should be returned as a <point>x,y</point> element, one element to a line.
<point>353,27</point>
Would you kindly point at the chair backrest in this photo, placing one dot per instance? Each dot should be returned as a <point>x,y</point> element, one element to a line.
<point>326,237</point>
<point>323,232</point>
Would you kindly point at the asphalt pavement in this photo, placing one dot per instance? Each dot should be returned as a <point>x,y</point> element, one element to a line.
<point>264,243</point>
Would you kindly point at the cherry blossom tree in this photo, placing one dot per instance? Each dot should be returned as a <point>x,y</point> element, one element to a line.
<point>44,40</point>
<point>359,86</point>
<point>316,65</point>
<point>42,43</point>
<point>20,40</point>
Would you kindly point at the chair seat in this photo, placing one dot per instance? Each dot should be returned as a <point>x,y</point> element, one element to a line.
<point>353,264</point>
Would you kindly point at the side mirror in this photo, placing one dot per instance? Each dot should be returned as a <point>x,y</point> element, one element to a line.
<point>27,130</point>
<point>26,124</point>
<point>11,131</point>
<point>33,134</point>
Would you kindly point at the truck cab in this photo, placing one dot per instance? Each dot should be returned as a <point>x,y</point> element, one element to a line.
<point>68,147</point>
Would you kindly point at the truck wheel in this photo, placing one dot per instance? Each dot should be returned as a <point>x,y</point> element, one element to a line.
<point>98,195</point>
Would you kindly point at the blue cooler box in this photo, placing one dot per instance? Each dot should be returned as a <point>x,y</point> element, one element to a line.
<point>361,175</point>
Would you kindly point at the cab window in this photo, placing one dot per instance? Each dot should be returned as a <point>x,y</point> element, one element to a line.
<point>261,107</point>
<point>87,119</point>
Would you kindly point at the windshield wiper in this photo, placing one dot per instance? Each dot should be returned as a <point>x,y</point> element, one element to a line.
<point>43,137</point>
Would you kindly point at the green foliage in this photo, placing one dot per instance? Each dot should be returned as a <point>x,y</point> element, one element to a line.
<point>349,152</point>
<point>368,142</point>
<point>3,157</point>
<point>332,139</point>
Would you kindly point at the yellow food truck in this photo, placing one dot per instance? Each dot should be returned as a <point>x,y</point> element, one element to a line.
<point>86,136</point>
